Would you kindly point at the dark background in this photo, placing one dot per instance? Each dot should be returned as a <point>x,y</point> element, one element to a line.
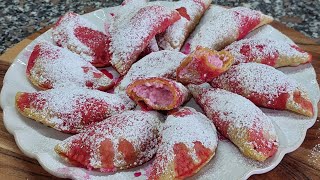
<point>20,18</point>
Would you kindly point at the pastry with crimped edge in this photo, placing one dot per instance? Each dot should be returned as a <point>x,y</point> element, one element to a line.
<point>50,66</point>
<point>274,53</point>
<point>189,141</point>
<point>82,37</point>
<point>191,12</point>
<point>131,35</point>
<point>265,86</point>
<point>158,64</point>
<point>70,109</point>
<point>158,93</point>
<point>122,141</point>
<point>239,120</point>
<point>203,65</point>
<point>225,28</point>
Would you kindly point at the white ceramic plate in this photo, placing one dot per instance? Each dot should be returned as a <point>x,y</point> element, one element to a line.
<point>37,141</point>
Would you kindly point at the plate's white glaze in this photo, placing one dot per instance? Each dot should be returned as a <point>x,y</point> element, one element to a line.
<point>37,141</point>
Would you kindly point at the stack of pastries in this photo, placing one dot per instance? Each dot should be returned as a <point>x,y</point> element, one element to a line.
<point>124,120</point>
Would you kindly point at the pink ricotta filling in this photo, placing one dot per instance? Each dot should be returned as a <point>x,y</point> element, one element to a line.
<point>215,61</point>
<point>154,94</point>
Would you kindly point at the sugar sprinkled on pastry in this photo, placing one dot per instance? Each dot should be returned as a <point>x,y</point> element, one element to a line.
<point>157,64</point>
<point>239,120</point>
<point>188,142</point>
<point>151,47</point>
<point>127,8</point>
<point>158,93</point>
<point>191,12</point>
<point>74,32</point>
<point>203,65</point>
<point>267,51</point>
<point>50,66</point>
<point>265,86</point>
<point>122,141</point>
<point>130,36</point>
<point>70,109</point>
<point>133,2</point>
<point>230,25</point>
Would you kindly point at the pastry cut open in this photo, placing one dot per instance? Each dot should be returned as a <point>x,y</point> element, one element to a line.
<point>158,93</point>
<point>158,64</point>
<point>203,65</point>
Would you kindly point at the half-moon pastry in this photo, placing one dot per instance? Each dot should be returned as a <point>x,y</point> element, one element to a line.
<point>70,109</point>
<point>122,141</point>
<point>239,120</point>
<point>265,86</point>
<point>51,66</point>
<point>267,51</point>
<point>188,143</point>
<point>82,37</point>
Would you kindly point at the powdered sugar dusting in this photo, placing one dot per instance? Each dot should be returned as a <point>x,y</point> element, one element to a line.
<point>139,128</point>
<point>176,34</point>
<point>153,45</point>
<point>127,10</point>
<point>157,64</point>
<point>282,52</point>
<point>257,78</point>
<point>60,67</point>
<point>226,105</point>
<point>233,113</point>
<point>185,129</point>
<point>128,36</point>
<point>183,91</point>
<point>216,33</point>
<point>67,108</point>
<point>63,33</point>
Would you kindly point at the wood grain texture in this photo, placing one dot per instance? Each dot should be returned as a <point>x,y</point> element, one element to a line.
<point>296,165</point>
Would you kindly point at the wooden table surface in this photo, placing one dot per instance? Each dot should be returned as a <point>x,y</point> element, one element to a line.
<point>296,165</point>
